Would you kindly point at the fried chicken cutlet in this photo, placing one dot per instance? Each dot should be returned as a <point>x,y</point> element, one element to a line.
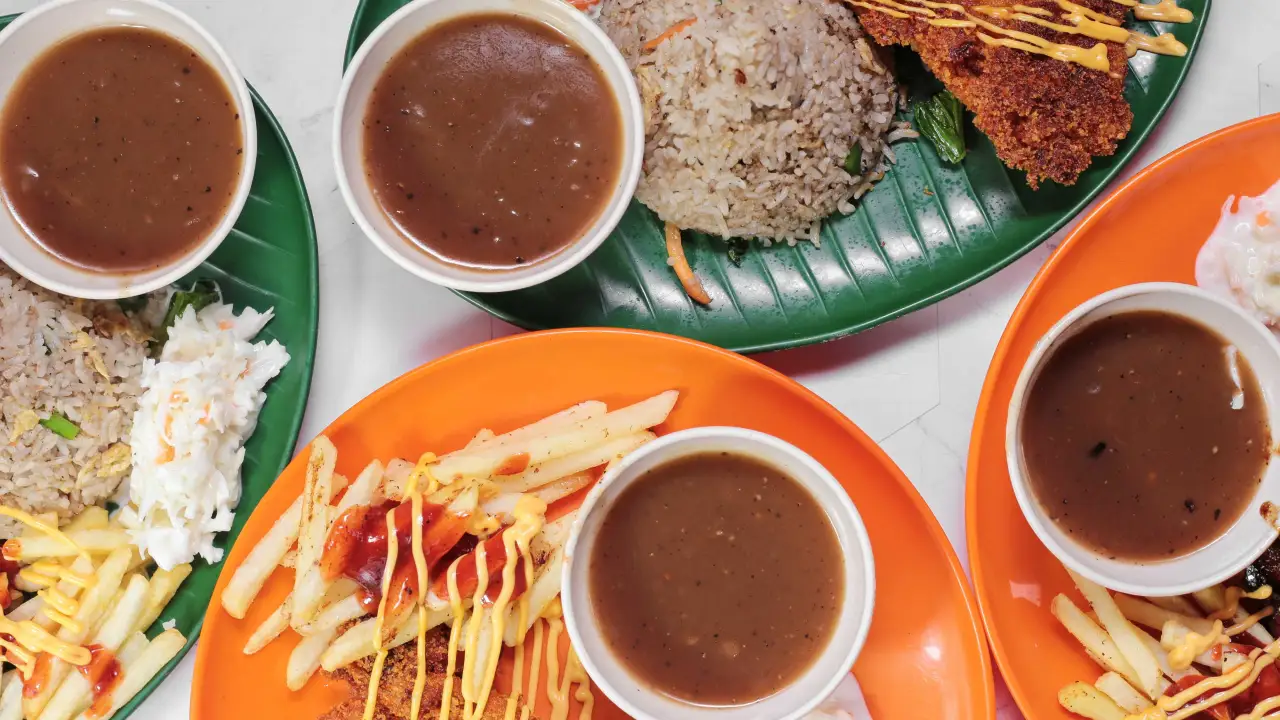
<point>395,691</point>
<point>1044,116</point>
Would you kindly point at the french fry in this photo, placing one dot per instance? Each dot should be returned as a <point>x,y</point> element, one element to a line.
<point>1162,659</point>
<point>484,435</point>
<point>594,456</point>
<point>1148,615</point>
<point>11,696</point>
<point>1214,599</point>
<point>362,491</point>
<point>513,457</point>
<point>305,658</point>
<point>1123,634</point>
<point>91,518</point>
<point>137,674</point>
<point>73,694</point>
<point>1095,640</point>
<point>27,550</point>
<point>502,506</point>
<point>1176,603</point>
<point>339,612</point>
<point>1174,635</point>
<point>290,559</point>
<point>357,641</point>
<point>132,648</point>
<point>262,560</point>
<point>1122,693</point>
<point>164,584</point>
<point>270,628</point>
<point>93,604</point>
<point>563,419</point>
<point>1085,701</point>
<point>309,583</point>
<point>32,608</point>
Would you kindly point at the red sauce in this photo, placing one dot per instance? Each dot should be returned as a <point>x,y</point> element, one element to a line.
<point>357,549</point>
<point>495,558</point>
<point>103,675</point>
<point>35,684</point>
<point>515,464</point>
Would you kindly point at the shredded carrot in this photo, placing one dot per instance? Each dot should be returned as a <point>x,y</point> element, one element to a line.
<point>654,43</point>
<point>1264,219</point>
<point>675,250</point>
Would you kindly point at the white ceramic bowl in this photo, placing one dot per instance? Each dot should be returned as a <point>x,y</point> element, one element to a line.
<point>1244,541</point>
<point>392,36</point>
<point>35,32</point>
<point>834,663</point>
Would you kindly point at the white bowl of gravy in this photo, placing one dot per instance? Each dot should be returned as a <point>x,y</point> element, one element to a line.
<point>127,146</point>
<point>488,171</point>
<point>1140,439</point>
<point>718,573</point>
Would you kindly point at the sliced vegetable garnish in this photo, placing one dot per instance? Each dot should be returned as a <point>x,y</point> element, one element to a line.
<point>853,161</point>
<point>675,251</point>
<point>941,119</point>
<point>59,423</point>
<point>202,294</point>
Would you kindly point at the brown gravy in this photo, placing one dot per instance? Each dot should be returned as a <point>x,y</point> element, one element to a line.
<point>120,150</point>
<point>492,141</point>
<point>717,579</point>
<point>1131,441</point>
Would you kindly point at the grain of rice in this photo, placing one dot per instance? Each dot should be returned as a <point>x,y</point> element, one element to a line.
<point>50,350</point>
<point>762,158</point>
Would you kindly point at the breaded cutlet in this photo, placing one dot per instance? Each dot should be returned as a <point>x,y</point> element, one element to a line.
<point>395,691</point>
<point>1044,116</point>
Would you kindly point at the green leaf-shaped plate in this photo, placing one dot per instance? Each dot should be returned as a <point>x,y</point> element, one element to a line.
<point>268,261</point>
<point>926,231</point>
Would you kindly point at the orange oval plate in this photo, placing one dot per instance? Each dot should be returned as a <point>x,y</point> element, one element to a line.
<point>1150,229</point>
<point>925,657</point>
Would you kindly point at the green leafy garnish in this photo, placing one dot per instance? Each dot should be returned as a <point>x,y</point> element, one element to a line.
<point>738,248</point>
<point>941,119</point>
<point>853,161</point>
<point>201,295</point>
<point>59,423</point>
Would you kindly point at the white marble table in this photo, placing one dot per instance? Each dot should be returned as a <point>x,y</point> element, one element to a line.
<point>912,384</point>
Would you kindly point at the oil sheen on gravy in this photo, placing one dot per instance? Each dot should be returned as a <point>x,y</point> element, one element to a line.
<point>717,579</point>
<point>492,141</point>
<point>120,150</point>
<point>1145,436</point>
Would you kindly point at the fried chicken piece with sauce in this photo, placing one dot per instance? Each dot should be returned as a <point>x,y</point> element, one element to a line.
<point>1044,116</point>
<point>395,691</point>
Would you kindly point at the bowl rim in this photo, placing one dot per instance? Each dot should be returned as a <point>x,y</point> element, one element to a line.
<point>126,284</point>
<point>847,513</point>
<point>1033,513</point>
<point>418,261</point>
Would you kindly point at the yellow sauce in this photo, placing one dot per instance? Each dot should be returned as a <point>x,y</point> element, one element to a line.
<point>1232,601</point>
<point>375,676</point>
<point>1261,709</point>
<point>1079,20</point>
<point>1181,656</point>
<point>455,632</point>
<point>1163,44</point>
<point>1232,684</point>
<point>29,638</point>
<point>1163,11</point>
<point>535,664</point>
<point>528,512</point>
<point>42,526</point>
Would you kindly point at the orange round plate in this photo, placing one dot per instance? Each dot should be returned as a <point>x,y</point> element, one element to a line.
<point>925,657</point>
<point>1150,229</point>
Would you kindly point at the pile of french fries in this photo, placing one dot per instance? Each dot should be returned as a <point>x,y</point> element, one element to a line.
<point>113,612</point>
<point>549,459</point>
<point>1138,643</point>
